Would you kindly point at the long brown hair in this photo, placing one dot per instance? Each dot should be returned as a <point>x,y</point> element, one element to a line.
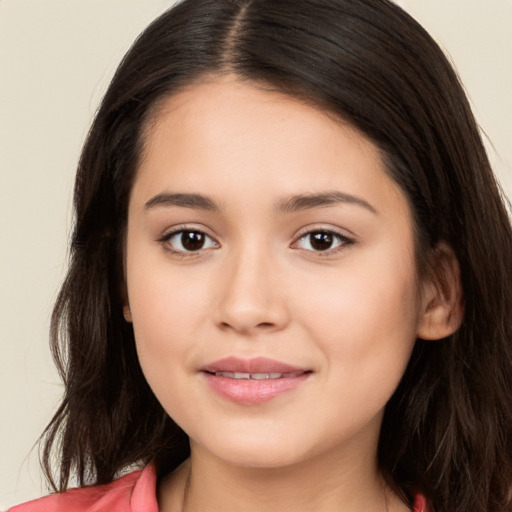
<point>447,429</point>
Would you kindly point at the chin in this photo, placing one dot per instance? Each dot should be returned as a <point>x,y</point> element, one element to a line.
<point>254,451</point>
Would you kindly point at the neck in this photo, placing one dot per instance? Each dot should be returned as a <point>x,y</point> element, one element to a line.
<point>325,483</point>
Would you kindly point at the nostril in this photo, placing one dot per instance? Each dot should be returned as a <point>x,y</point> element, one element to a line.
<point>265,325</point>
<point>245,328</point>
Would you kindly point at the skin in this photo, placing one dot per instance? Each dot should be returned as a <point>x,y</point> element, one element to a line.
<point>350,314</point>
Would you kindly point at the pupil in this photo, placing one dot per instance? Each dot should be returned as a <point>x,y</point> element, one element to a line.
<point>321,241</point>
<point>192,240</point>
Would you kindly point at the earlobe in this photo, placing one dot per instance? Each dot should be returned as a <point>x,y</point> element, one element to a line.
<point>124,297</point>
<point>442,302</point>
<point>127,313</point>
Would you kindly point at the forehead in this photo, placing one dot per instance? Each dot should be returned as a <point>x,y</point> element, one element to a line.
<point>246,113</point>
<point>223,135</point>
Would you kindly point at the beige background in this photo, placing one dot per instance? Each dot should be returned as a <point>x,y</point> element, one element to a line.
<point>56,59</point>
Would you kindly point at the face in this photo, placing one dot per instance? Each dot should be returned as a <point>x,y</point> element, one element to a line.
<point>270,275</point>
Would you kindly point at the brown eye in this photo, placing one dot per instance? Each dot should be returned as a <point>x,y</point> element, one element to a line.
<point>192,240</point>
<point>189,241</point>
<point>322,241</point>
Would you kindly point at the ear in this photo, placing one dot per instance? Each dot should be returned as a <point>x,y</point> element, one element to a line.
<point>127,313</point>
<point>442,301</point>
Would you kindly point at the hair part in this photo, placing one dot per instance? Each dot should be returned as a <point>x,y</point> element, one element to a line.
<point>447,428</point>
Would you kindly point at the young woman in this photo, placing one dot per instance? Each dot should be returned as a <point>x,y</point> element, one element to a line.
<point>290,282</point>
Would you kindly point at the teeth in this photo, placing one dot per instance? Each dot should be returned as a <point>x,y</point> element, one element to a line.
<point>254,376</point>
<point>261,376</point>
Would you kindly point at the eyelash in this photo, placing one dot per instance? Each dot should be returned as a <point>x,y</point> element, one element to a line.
<point>343,241</point>
<point>165,239</point>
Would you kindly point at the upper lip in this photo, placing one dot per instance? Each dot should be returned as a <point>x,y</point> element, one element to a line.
<point>253,365</point>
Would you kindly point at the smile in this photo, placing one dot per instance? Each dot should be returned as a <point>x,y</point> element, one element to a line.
<point>256,376</point>
<point>252,381</point>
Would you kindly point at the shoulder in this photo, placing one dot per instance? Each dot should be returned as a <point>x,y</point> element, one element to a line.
<point>135,492</point>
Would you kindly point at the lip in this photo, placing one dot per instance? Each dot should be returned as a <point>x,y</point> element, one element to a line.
<point>253,391</point>
<point>253,365</point>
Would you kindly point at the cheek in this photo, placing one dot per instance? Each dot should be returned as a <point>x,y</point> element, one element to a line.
<point>365,318</point>
<point>165,322</point>
<point>165,307</point>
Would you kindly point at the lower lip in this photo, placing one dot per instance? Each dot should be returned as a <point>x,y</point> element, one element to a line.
<point>253,391</point>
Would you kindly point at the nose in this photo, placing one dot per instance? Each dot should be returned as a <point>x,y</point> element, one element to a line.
<point>252,296</point>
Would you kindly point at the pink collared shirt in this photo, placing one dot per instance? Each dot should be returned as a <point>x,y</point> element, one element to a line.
<point>135,492</point>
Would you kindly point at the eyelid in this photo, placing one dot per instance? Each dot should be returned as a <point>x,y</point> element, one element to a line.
<point>167,235</point>
<point>345,239</point>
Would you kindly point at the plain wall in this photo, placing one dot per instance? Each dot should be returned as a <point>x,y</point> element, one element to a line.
<point>56,59</point>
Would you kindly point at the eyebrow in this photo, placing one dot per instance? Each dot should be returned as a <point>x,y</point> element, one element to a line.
<point>319,200</point>
<point>289,205</point>
<point>195,201</point>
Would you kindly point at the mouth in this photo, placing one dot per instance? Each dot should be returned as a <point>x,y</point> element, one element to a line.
<point>255,376</point>
<point>253,381</point>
